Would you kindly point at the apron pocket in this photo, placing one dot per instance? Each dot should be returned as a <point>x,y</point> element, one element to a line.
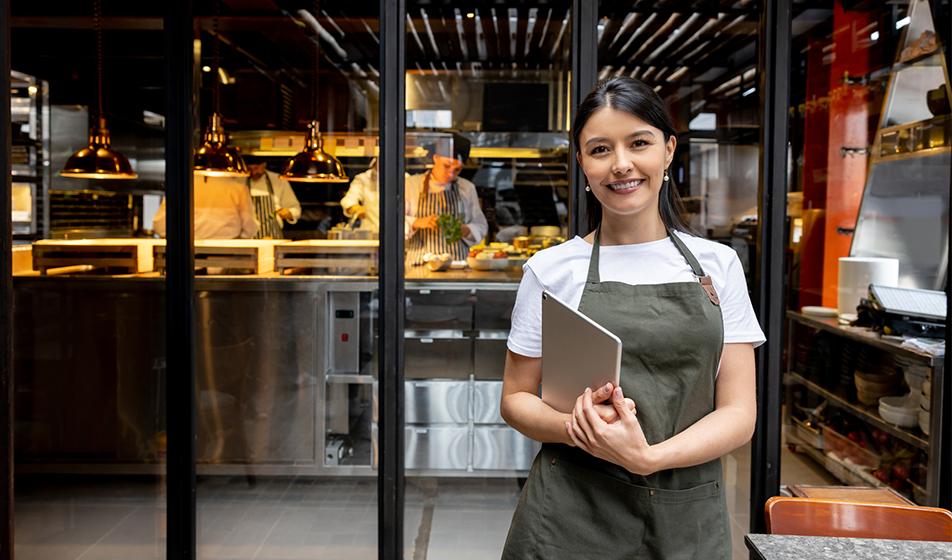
<point>688,524</point>
<point>589,514</point>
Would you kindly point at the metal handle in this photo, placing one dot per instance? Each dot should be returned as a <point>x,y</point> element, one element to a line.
<point>853,151</point>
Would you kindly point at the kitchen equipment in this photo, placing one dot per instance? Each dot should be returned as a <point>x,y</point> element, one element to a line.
<point>870,387</point>
<point>128,256</point>
<point>904,311</point>
<point>855,276</point>
<point>230,256</point>
<point>924,419</point>
<point>350,256</point>
<point>818,311</point>
<point>924,402</point>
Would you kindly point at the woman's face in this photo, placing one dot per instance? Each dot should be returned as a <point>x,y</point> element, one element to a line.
<point>445,169</point>
<point>624,159</point>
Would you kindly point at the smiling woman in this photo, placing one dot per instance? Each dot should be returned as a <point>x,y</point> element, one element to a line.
<point>611,482</point>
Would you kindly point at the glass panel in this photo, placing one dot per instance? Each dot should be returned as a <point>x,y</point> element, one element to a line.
<point>89,342</point>
<point>867,205</point>
<point>704,67</point>
<point>487,158</point>
<point>285,278</point>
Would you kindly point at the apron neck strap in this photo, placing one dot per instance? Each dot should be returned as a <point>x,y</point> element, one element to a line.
<point>595,278</point>
<point>687,254</point>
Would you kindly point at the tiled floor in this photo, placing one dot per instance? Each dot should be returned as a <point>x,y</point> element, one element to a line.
<point>301,518</point>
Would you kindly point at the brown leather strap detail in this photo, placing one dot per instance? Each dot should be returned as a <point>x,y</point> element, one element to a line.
<point>708,286</point>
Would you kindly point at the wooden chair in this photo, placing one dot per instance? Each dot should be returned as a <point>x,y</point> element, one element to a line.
<point>834,518</point>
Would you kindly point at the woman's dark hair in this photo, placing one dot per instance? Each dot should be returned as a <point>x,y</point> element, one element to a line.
<point>637,99</point>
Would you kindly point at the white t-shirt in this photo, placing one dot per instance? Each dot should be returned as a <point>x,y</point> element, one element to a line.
<point>562,271</point>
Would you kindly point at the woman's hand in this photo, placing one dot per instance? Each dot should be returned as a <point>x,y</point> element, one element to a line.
<point>621,442</point>
<point>605,409</point>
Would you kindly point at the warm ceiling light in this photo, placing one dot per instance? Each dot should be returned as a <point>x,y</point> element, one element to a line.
<point>214,158</point>
<point>470,15</point>
<point>98,160</point>
<point>313,164</point>
<point>206,68</point>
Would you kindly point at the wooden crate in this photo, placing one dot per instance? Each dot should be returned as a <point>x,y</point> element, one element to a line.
<point>345,256</point>
<point>249,256</point>
<point>129,256</point>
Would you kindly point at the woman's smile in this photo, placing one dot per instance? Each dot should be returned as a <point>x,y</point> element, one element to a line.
<point>625,186</point>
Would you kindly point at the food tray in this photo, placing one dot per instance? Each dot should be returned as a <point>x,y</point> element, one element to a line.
<point>842,447</point>
<point>487,264</point>
<point>128,256</point>
<point>231,256</point>
<point>337,256</point>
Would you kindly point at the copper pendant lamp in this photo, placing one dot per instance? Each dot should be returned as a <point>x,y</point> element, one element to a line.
<point>98,160</point>
<point>215,158</point>
<point>313,164</point>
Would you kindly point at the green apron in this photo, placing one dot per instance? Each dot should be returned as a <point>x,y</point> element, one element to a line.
<point>577,506</point>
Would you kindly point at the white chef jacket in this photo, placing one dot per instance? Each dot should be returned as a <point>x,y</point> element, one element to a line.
<point>223,209</point>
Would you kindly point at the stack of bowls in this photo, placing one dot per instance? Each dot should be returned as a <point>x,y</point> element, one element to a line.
<point>925,400</point>
<point>871,386</point>
<point>902,411</point>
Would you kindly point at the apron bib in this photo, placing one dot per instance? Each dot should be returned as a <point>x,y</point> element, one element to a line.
<point>575,505</point>
<point>432,240</point>
<point>265,213</point>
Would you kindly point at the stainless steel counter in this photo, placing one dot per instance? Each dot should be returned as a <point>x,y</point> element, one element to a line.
<point>273,395</point>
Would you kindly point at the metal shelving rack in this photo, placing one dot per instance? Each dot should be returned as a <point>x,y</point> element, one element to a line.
<point>929,444</point>
<point>30,169</point>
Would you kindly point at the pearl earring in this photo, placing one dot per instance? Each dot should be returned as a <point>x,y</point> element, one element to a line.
<point>588,188</point>
<point>666,178</point>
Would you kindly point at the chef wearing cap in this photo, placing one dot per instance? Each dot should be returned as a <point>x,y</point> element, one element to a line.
<point>442,192</point>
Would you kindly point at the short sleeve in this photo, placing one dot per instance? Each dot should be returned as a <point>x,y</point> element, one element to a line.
<point>525,333</point>
<point>740,323</point>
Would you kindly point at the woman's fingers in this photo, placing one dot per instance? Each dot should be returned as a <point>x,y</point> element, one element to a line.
<point>579,415</point>
<point>591,416</point>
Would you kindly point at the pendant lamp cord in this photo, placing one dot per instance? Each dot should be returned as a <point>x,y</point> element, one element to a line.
<point>215,58</point>
<point>97,27</point>
<point>317,61</point>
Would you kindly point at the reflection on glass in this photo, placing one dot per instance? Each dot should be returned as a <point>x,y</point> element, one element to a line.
<point>491,82</point>
<point>89,342</point>
<point>680,54</point>
<point>872,178</point>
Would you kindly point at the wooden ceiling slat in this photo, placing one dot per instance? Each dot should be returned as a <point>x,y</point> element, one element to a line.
<point>489,35</point>
<point>522,27</point>
<point>469,31</point>
<point>502,20</point>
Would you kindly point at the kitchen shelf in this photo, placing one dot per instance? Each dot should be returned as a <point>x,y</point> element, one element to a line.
<point>844,474</point>
<point>867,415</point>
<point>866,337</point>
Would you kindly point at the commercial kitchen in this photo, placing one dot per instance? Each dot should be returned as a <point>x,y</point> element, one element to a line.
<point>291,309</point>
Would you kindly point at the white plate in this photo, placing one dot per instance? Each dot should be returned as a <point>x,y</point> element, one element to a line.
<point>817,311</point>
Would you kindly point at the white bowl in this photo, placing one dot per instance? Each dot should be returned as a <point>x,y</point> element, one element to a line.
<point>924,402</point>
<point>927,388</point>
<point>487,264</point>
<point>896,410</point>
<point>914,380</point>
<point>924,420</point>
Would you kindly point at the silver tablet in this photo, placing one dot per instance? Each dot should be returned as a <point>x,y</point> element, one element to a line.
<point>577,353</point>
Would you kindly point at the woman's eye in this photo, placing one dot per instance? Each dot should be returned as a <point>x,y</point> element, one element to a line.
<point>599,150</point>
<point>639,143</point>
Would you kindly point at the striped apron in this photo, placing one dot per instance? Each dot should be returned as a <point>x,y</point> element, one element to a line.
<point>266,213</point>
<point>432,240</point>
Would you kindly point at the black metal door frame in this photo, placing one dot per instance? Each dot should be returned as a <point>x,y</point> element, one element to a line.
<point>6,295</point>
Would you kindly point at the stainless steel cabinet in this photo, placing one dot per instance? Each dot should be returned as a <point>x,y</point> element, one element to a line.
<point>502,448</point>
<point>437,447</point>
<point>486,397</point>
<point>437,402</point>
